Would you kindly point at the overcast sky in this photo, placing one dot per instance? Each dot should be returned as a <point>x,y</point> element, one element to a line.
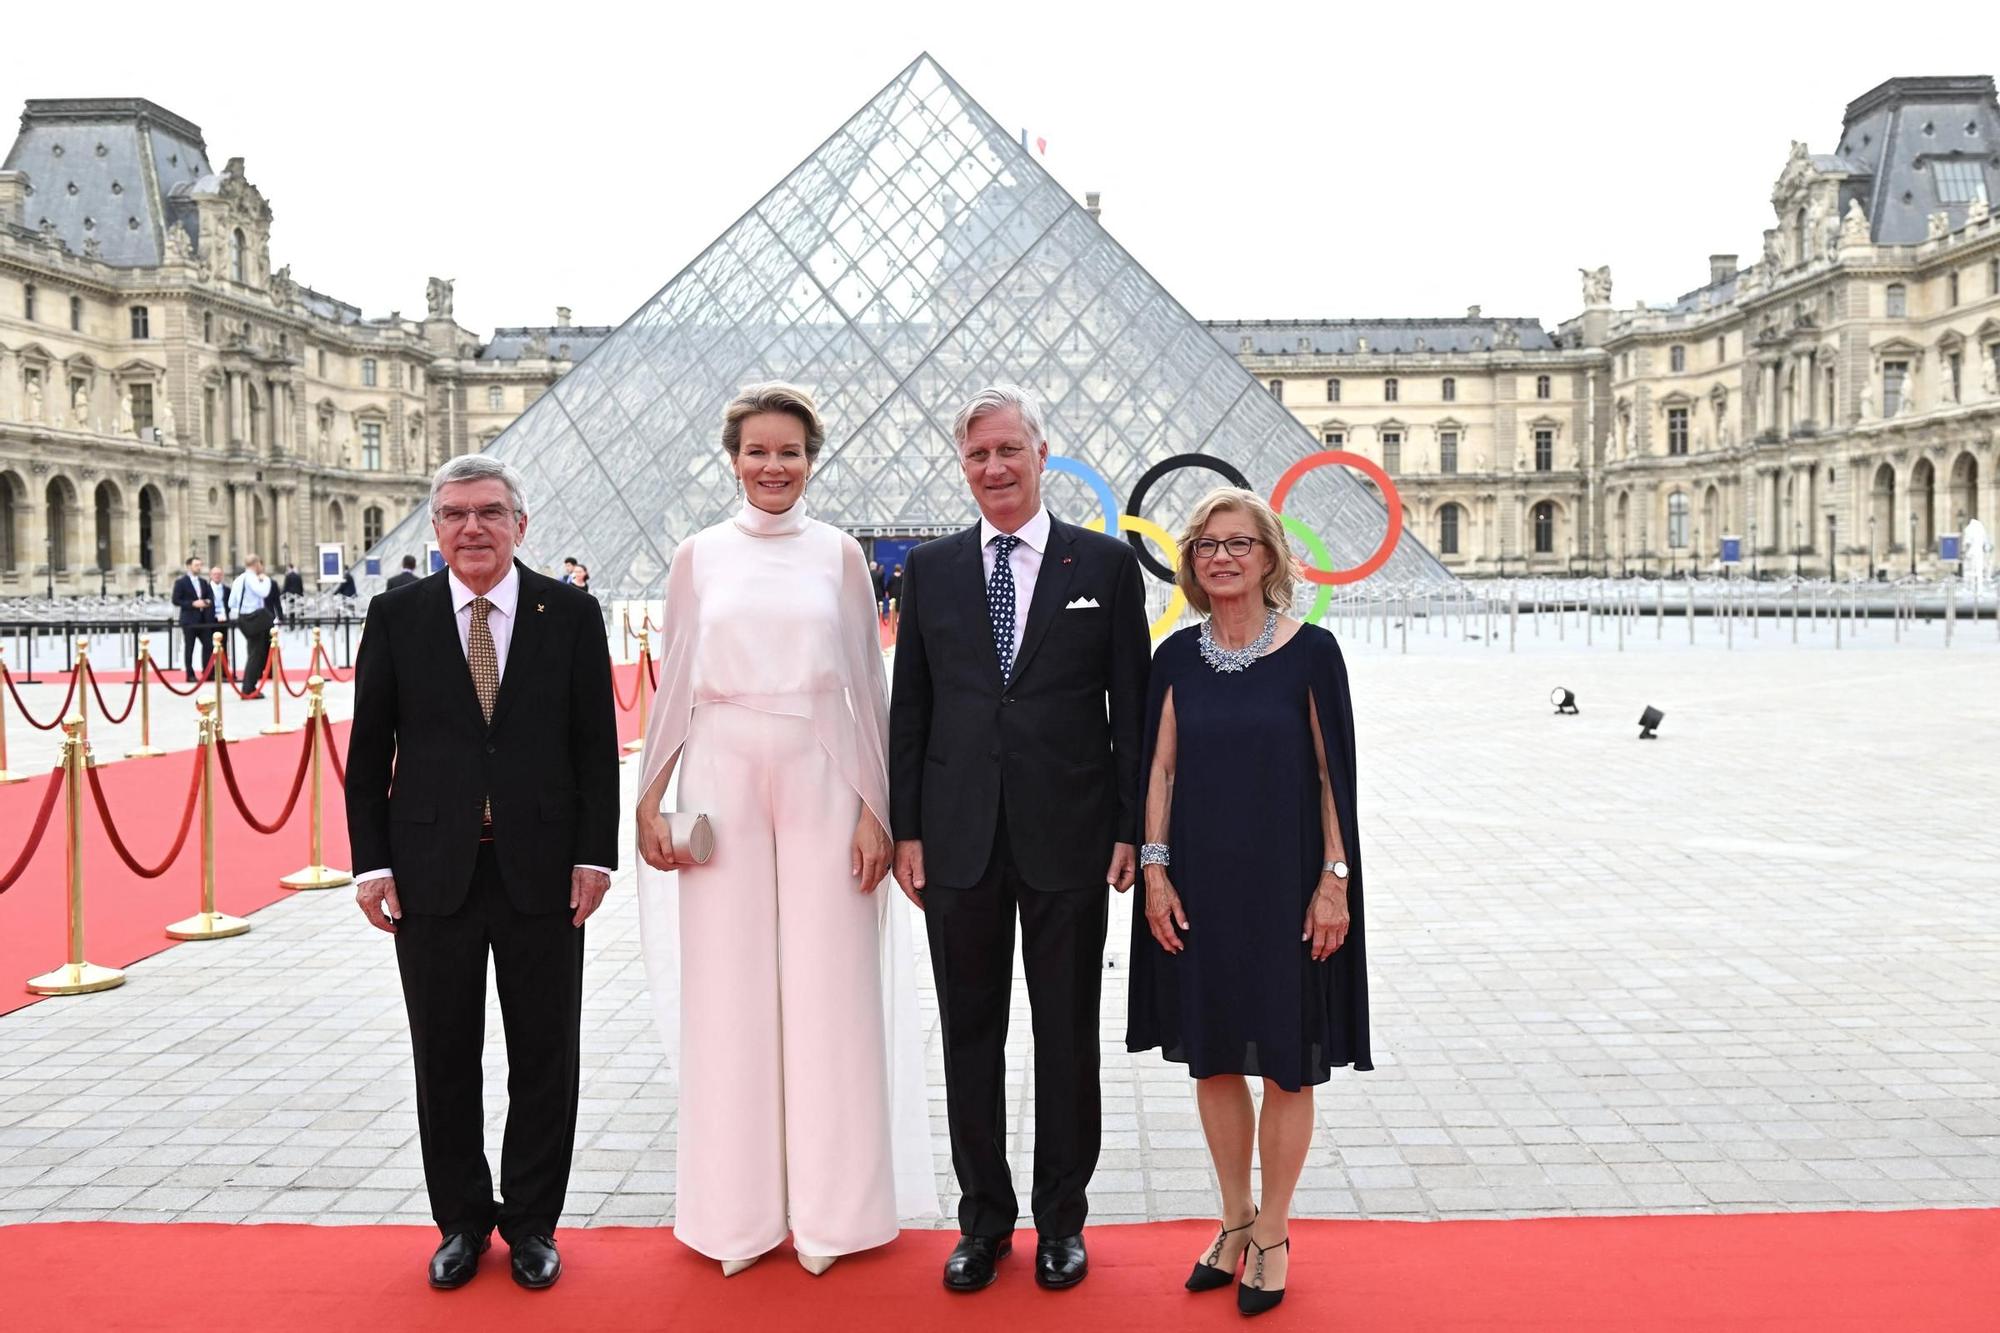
<point>1263,160</point>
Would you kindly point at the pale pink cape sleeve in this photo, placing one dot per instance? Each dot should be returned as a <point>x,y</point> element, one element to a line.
<point>867,682</point>
<point>673,704</point>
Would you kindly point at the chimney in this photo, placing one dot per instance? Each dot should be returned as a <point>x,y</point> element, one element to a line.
<point>1090,204</point>
<point>562,316</point>
<point>1472,312</point>
<point>1721,268</point>
<point>13,192</point>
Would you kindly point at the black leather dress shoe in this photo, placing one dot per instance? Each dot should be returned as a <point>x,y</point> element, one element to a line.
<point>970,1267</point>
<point>457,1259</point>
<point>1060,1262</point>
<point>536,1263</point>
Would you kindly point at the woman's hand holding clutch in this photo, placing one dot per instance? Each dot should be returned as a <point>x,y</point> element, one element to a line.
<point>656,840</point>
<point>870,859</point>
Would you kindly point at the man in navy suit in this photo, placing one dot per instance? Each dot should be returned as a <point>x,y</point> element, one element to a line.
<point>196,612</point>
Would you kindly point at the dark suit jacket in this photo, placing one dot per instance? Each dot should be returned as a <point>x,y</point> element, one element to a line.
<point>187,591</point>
<point>422,761</point>
<point>1060,745</point>
<point>402,578</point>
<point>295,583</point>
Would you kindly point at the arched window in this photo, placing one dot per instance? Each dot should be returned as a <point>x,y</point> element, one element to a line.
<point>1333,391</point>
<point>1799,238</point>
<point>150,505</point>
<point>1677,520</point>
<point>1450,389</point>
<point>1448,530</point>
<point>236,255</point>
<point>1390,390</point>
<point>1545,527</point>
<point>1277,388</point>
<point>1544,387</point>
<point>1896,300</point>
<point>106,507</point>
<point>58,524</point>
<point>13,513</point>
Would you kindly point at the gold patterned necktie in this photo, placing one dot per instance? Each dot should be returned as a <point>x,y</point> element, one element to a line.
<point>485,664</point>
<point>479,655</point>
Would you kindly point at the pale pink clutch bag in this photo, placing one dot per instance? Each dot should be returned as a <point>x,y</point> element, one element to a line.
<point>693,837</point>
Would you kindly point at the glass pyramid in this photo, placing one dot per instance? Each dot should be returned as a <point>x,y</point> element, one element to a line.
<point>919,254</point>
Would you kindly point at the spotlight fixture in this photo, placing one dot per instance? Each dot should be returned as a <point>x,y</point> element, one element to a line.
<point>1564,700</point>
<point>1647,721</point>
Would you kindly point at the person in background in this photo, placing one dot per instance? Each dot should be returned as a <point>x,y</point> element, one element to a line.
<point>879,580</point>
<point>581,579</point>
<point>294,586</point>
<point>252,598</point>
<point>196,612</point>
<point>218,607</point>
<point>407,574</point>
<point>346,588</point>
<point>570,566</point>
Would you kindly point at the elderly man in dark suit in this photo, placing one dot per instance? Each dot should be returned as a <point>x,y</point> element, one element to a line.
<point>482,789</point>
<point>1014,733</point>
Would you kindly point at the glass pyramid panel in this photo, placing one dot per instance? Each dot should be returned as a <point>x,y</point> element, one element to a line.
<point>919,254</point>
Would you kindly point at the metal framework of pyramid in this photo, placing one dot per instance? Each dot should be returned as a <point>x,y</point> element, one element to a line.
<point>919,254</point>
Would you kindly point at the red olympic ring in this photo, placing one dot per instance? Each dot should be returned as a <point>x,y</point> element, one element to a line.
<point>1390,497</point>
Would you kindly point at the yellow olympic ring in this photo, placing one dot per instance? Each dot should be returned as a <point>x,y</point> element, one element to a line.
<point>1164,623</point>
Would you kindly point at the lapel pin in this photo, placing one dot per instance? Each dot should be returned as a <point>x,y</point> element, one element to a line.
<point>1065,560</point>
<point>539,607</point>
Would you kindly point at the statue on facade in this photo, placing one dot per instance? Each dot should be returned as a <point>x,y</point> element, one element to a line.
<point>169,430</point>
<point>1867,409</point>
<point>1854,225</point>
<point>1596,285</point>
<point>1989,373</point>
<point>1977,211</point>
<point>36,406</point>
<point>1772,260</point>
<point>263,273</point>
<point>79,406</point>
<point>282,286</point>
<point>1906,405</point>
<point>1936,225</point>
<point>437,298</point>
<point>179,245</point>
<point>126,426</point>
<point>1816,233</point>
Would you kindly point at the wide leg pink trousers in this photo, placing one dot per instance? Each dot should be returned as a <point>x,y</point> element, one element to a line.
<point>784,1089</point>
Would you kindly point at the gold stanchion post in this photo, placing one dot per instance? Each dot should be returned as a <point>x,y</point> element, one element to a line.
<point>219,662</point>
<point>83,696</point>
<point>277,682</point>
<point>207,924</point>
<point>147,749</point>
<point>76,977</point>
<point>638,743</point>
<point>7,774</point>
<point>317,875</point>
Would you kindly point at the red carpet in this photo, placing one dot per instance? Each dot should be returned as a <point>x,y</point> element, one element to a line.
<point>123,914</point>
<point>1931,1270</point>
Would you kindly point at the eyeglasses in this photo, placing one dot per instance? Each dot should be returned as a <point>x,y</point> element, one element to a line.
<point>1206,547</point>
<point>491,516</point>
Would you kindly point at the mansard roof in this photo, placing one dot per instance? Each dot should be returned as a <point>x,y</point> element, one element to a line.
<point>99,167</point>
<point>1896,134</point>
<point>1343,337</point>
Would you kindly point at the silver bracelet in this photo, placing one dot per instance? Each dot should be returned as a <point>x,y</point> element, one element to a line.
<point>1154,854</point>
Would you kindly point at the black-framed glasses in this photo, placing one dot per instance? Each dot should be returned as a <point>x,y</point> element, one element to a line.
<point>1206,547</point>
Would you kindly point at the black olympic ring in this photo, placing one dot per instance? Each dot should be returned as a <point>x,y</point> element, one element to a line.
<point>1152,563</point>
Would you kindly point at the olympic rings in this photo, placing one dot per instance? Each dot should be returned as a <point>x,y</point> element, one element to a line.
<point>1390,499</point>
<point>1139,529</point>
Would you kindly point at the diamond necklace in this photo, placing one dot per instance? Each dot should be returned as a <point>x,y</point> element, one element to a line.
<point>1237,659</point>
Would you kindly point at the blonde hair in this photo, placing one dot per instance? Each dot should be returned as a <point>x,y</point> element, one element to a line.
<point>1279,580</point>
<point>775,396</point>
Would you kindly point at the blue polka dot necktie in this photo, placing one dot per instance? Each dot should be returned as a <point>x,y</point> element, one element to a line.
<point>1000,601</point>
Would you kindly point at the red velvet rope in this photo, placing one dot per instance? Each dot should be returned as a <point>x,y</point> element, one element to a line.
<point>242,693</point>
<point>118,843</point>
<point>207,670</point>
<point>653,671</point>
<point>333,755</point>
<point>330,671</point>
<point>131,699</point>
<point>236,794</point>
<point>41,826</point>
<point>28,717</point>
<point>625,705</point>
<point>284,679</point>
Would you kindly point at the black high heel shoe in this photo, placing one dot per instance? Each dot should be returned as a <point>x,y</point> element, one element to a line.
<point>1206,1276</point>
<point>1251,1298</point>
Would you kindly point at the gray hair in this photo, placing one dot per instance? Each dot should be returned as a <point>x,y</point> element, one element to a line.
<point>478,467</point>
<point>996,398</point>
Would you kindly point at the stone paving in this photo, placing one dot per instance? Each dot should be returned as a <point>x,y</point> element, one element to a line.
<point>1751,966</point>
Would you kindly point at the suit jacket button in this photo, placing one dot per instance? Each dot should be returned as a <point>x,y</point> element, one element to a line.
<point>492,749</point>
<point>1009,699</point>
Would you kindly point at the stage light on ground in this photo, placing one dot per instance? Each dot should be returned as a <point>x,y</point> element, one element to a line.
<point>1564,700</point>
<point>1649,720</point>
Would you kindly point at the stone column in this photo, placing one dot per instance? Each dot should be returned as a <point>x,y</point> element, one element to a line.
<point>239,524</point>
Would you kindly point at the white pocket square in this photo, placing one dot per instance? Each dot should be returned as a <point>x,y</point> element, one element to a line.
<point>1082,604</point>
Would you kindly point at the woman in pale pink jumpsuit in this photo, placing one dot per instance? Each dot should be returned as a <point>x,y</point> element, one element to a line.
<point>794,1005</point>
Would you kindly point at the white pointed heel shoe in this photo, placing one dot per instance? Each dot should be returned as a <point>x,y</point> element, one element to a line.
<point>731,1267</point>
<point>817,1263</point>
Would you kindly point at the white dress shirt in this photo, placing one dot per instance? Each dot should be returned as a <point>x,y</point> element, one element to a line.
<point>502,600</point>
<point>250,592</point>
<point>1025,560</point>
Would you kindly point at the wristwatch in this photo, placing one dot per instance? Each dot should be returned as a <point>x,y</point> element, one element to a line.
<point>1338,869</point>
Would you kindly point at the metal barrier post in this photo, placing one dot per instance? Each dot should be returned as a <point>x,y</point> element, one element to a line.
<point>142,664</point>
<point>7,775</point>
<point>317,875</point>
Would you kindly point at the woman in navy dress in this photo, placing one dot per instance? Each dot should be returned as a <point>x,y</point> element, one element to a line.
<point>1248,961</point>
